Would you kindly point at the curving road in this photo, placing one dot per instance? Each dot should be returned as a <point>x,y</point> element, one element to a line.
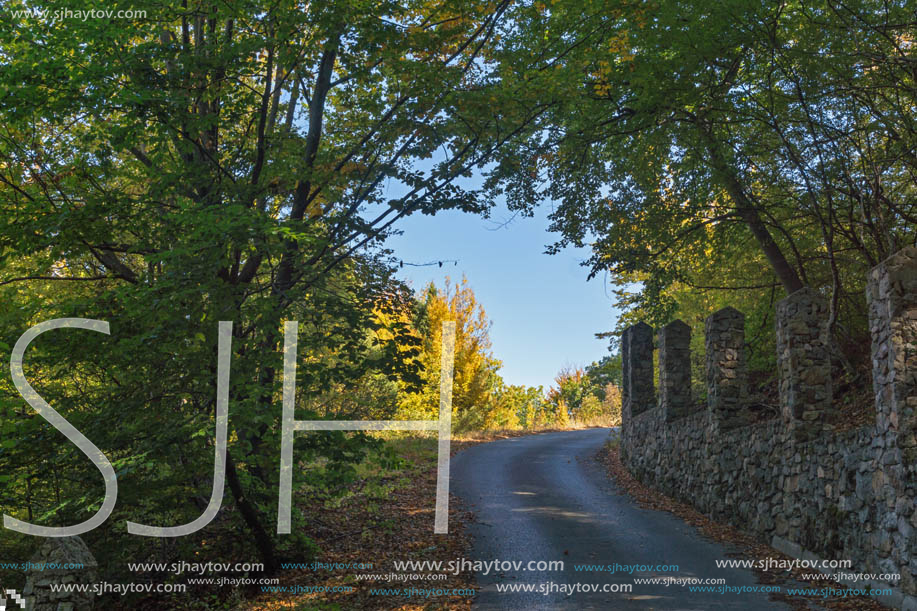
<point>544,497</point>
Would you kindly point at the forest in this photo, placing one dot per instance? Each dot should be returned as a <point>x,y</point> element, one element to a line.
<point>246,162</point>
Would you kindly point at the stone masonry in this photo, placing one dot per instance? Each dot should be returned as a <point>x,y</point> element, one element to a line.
<point>792,482</point>
<point>724,334</point>
<point>638,394</point>
<point>65,553</point>
<point>675,370</point>
<point>892,298</point>
<point>804,362</point>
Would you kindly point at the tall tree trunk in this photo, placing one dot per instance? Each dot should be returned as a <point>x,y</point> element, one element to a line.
<point>785,272</point>
<point>250,514</point>
<point>748,211</point>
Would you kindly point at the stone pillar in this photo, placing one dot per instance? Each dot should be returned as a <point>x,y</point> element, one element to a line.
<point>638,394</point>
<point>60,551</point>
<point>726,377</point>
<point>675,370</point>
<point>625,379</point>
<point>804,363</point>
<point>891,294</point>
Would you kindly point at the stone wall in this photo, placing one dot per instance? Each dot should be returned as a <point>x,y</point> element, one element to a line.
<point>792,481</point>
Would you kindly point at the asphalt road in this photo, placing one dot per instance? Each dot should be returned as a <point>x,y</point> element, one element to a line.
<point>544,497</point>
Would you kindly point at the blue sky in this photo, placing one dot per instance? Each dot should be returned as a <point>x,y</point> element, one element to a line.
<point>544,312</point>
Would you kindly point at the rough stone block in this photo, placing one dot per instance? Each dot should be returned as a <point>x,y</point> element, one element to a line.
<point>639,394</point>
<point>61,551</point>
<point>675,370</point>
<point>891,295</point>
<point>804,363</point>
<point>725,360</point>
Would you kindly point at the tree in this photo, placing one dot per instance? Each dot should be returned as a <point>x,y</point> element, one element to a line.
<point>588,395</point>
<point>524,403</point>
<point>475,380</point>
<point>213,162</point>
<point>605,371</point>
<point>571,388</point>
<point>733,147</point>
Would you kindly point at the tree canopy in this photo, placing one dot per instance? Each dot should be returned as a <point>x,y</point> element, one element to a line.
<point>208,162</point>
<point>245,162</point>
<point>723,152</point>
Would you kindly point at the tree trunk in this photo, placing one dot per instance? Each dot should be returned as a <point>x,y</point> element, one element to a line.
<point>748,211</point>
<point>785,272</point>
<point>249,512</point>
